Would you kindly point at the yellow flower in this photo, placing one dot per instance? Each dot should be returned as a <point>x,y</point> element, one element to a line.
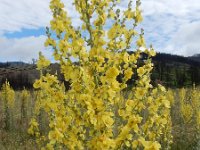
<point>112,14</point>
<point>152,52</point>
<point>135,144</point>
<point>108,121</point>
<point>55,135</point>
<point>50,42</point>
<point>37,84</point>
<point>129,14</point>
<point>101,20</point>
<point>127,143</point>
<point>166,103</point>
<point>140,93</point>
<point>42,62</point>
<point>128,73</point>
<point>112,33</point>
<point>141,42</point>
<point>33,127</point>
<point>112,73</point>
<point>138,16</point>
<point>154,146</point>
<point>141,71</point>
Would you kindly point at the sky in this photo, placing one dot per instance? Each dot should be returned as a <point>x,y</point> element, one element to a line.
<point>171,26</point>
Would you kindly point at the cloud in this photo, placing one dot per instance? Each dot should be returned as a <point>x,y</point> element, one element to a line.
<point>186,40</point>
<point>179,8</point>
<point>28,14</point>
<point>163,20</point>
<point>171,26</point>
<point>15,15</point>
<point>23,49</point>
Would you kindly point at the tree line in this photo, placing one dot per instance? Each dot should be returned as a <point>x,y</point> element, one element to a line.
<point>169,70</point>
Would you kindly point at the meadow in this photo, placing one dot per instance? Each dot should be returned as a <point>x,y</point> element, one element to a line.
<point>185,114</point>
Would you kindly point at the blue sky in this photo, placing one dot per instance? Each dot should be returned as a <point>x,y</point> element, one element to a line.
<point>25,33</point>
<point>172,26</point>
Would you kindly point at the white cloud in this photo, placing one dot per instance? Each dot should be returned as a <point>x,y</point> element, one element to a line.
<point>23,49</point>
<point>166,19</point>
<point>15,15</point>
<point>174,7</point>
<point>29,14</point>
<point>186,40</point>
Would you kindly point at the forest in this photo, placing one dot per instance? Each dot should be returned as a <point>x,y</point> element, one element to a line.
<point>172,71</point>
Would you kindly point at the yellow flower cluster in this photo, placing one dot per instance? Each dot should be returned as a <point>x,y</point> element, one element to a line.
<point>8,94</point>
<point>185,104</point>
<point>93,114</point>
<point>33,130</point>
<point>42,62</point>
<point>25,95</point>
<point>190,105</point>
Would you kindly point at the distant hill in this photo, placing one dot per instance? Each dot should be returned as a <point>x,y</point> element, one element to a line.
<point>12,64</point>
<point>195,57</point>
<point>169,70</point>
<point>192,60</point>
<point>19,74</point>
<point>176,71</point>
<point>22,75</point>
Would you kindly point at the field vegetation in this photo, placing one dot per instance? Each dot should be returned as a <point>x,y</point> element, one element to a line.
<point>185,114</point>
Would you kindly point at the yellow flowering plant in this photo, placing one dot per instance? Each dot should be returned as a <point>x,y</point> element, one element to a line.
<point>93,113</point>
<point>8,96</point>
<point>189,103</point>
<point>25,97</point>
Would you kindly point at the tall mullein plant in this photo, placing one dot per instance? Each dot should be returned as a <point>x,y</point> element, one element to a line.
<point>93,114</point>
<point>190,113</point>
<point>8,97</point>
<point>25,98</point>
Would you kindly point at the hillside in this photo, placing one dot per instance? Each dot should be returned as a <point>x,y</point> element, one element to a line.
<point>176,71</point>
<point>170,70</point>
<point>22,75</point>
<point>195,57</point>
